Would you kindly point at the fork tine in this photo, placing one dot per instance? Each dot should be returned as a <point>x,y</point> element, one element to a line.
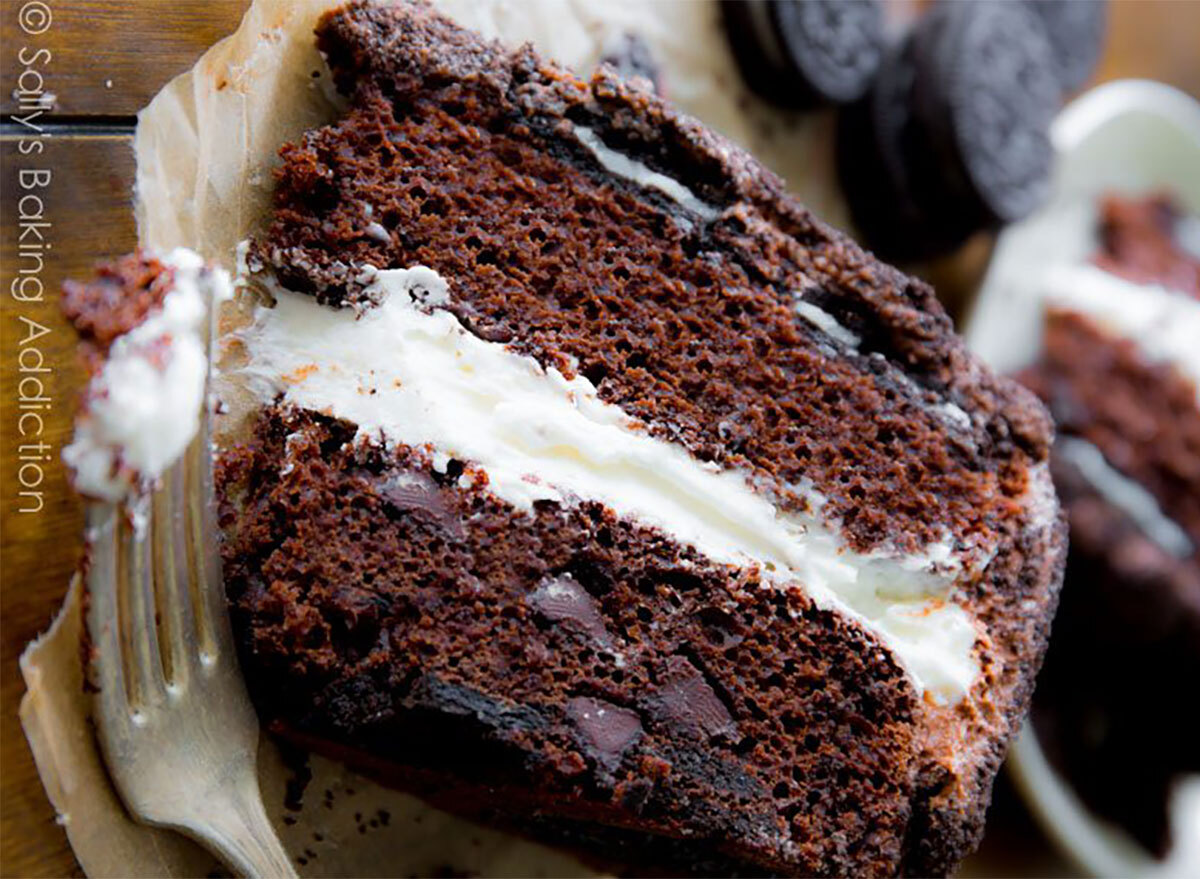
<point>169,539</point>
<point>136,607</point>
<point>204,559</point>
<point>102,609</point>
<point>212,614</point>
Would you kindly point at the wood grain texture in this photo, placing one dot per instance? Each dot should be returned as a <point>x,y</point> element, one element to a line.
<point>139,45</point>
<point>1153,39</point>
<point>109,58</point>
<point>87,202</point>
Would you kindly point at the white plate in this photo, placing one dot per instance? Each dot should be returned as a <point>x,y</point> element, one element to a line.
<point>1131,137</point>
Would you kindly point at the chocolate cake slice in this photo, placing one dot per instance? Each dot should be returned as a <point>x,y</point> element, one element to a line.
<point>1120,370</point>
<point>598,490</point>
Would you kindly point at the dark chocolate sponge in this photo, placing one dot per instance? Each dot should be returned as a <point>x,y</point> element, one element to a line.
<point>480,644</point>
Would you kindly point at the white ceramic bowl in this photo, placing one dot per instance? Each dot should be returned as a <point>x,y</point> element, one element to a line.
<point>1130,136</point>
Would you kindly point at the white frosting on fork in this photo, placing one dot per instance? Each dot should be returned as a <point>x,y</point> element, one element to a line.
<point>143,407</point>
<point>406,373</point>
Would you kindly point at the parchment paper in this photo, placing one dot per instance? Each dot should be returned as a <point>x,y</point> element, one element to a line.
<point>205,147</point>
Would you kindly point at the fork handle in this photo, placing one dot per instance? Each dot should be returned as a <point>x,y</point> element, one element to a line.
<point>238,831</point>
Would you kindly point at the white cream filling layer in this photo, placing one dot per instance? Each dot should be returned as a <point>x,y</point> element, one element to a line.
<point>1164,323</point>
<point>143,407</point>
<point>827,323</point>
<point>408,375</point>
<point>640,174</point>
<point>1126,495</point>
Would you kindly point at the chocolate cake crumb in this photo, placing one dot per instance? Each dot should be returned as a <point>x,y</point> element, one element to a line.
<point>295,760</point>
<point>1139,241</point>
<point>119,297</point>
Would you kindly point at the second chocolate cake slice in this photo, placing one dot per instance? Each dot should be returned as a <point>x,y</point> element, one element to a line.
<point>600,491</point>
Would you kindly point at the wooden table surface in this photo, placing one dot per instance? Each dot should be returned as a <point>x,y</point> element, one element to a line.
<point>103,61</point>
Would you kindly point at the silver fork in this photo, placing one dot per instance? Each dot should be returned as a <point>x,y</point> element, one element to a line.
<point>175,724</point>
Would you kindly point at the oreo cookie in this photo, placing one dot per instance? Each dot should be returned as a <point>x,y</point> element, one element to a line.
<point>1076,30</point>
<point>888,172</point>
<point>835,45</point>
<point>985,95</point>
<point>805,54</point>
<point>953,137</point>
<point>872,161</point>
